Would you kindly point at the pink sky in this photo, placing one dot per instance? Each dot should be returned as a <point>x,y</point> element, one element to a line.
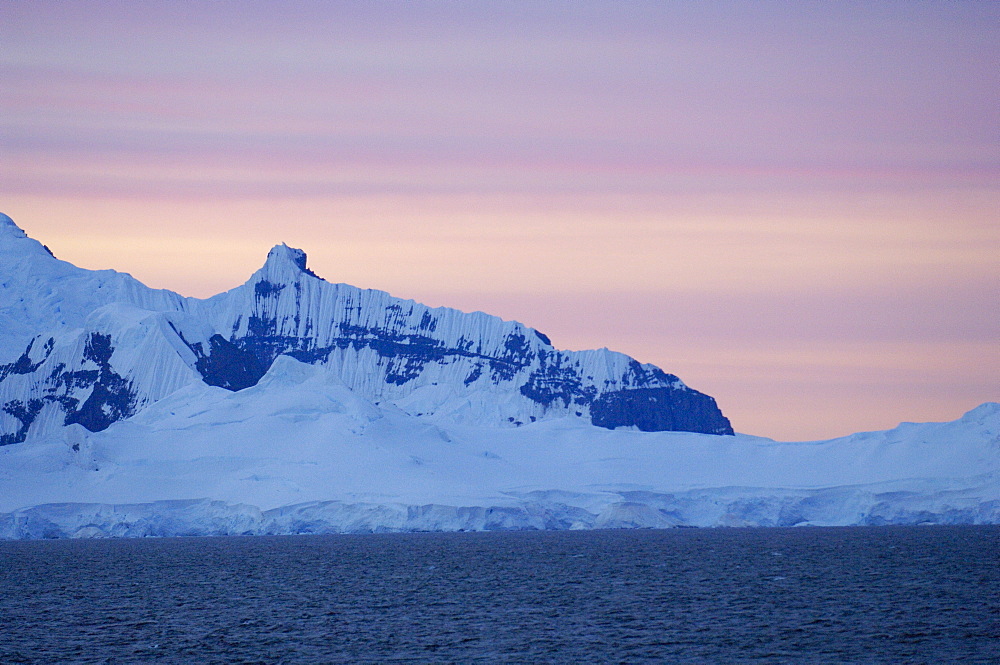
<point>793,206</point>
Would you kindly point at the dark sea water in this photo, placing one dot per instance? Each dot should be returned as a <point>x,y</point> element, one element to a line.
<point>811,595</point>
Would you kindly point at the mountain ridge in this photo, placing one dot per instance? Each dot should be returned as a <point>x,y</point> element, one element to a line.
<point>439,362</point>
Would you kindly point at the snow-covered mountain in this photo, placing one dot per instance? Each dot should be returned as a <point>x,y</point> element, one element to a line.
<point>94,347</point>
<point>293,405</point>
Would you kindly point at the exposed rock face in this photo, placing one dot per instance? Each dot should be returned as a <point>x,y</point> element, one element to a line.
<point>121,359</point>
<point>659,410</point>
<point>94,347</point>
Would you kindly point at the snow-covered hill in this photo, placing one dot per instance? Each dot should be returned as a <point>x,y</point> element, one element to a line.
<point>293,405</point>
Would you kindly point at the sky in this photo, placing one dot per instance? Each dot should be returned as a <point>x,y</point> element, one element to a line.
<point>793,206</point>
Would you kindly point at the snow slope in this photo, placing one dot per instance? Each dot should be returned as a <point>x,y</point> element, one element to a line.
<point>301,452</point>
<point>41,294</point>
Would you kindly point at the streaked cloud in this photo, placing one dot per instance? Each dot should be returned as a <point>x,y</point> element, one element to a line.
<point>720,188</point>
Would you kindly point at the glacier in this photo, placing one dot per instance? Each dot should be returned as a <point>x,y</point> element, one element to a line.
<point>293,405</point>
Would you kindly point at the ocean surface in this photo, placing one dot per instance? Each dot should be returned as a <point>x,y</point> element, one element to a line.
<point>807,595</point>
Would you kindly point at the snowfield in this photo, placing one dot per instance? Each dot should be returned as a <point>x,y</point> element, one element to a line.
<point>302,453</point>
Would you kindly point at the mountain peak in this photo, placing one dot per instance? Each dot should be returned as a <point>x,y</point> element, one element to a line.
<point>16,243</point>
<point>282,253</point>
<point>284,256</point>
<point>9,229</point>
